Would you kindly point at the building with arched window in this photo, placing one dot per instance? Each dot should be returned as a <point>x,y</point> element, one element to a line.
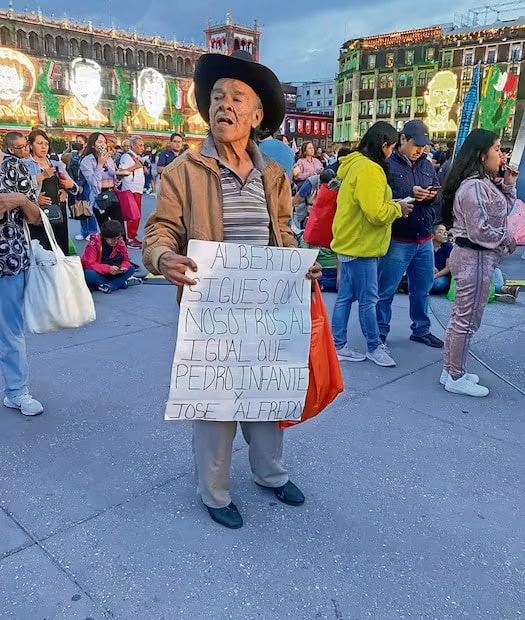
<point>95,76</point>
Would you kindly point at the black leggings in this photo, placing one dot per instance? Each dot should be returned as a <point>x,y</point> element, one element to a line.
<point>113,212</point>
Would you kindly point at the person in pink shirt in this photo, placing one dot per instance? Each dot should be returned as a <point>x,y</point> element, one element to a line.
<point>307,165</point>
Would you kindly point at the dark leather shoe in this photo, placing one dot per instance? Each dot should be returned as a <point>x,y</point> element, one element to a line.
<point>429,339</point>
<point>288,494</point>
<point>229,517</point>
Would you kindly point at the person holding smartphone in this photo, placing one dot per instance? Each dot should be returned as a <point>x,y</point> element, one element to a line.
<point>411,250</point>
<point>106,263</point>
<point>99,171</point>
<point>52,183</point>
<point>476,203</point>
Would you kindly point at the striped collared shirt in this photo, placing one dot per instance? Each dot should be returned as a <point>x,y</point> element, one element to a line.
<point>245,211</point>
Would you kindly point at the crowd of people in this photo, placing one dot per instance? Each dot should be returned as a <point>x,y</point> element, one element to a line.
<point>380,215</point>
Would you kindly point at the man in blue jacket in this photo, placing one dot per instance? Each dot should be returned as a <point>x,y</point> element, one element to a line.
<point>411,250</point>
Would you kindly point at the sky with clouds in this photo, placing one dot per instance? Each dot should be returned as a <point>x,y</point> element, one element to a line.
<point>301,38</point>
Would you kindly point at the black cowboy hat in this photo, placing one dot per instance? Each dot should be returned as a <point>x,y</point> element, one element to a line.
<point>240,66</point>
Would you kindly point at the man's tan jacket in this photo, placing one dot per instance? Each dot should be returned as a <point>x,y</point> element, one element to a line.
<point>190,207</point>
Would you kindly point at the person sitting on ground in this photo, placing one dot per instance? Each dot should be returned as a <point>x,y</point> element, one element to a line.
<point>504,293</point>
<point>442,251</point>
<point>106,263</point>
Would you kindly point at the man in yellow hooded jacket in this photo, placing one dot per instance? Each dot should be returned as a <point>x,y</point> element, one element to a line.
<point>362,231</point>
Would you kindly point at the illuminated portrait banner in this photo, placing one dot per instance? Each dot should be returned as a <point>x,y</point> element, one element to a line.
<point>440,98</point>
<point>196,124</point>
<point>17,84</point>
<point>86,89</point>
<point>152,97</point>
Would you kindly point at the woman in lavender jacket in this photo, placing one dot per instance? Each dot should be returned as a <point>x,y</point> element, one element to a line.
<point>99,170</point>
<point>477,204</point>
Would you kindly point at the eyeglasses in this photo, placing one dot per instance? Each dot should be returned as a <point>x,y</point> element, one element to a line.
<point>21,148</point>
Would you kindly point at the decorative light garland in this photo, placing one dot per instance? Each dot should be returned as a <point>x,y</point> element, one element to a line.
<point>51,101</point>
<point>120,107</point>
<point>175,102</point>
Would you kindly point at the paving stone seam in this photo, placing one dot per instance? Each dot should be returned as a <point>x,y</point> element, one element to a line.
<point>94,341</point>
<point>63,569</point>
<point>473,431</point>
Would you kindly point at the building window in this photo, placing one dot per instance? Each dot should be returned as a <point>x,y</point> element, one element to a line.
<point>330,91</point>
<point>348,86</point>
<point>307,93</point>
<point>318,91</point>
<point>468,58</point>
<point>330,103</point>
<point>514,70</point>
<point>390,60</point>
<point>405,79</point>
<point>318,104</point>
<point>389,106</point>
<point>515,53</point>
<point>372,61</point>
<point>363,128</point>
<point>370,108</point>
<point>420,106</point>
<point>400,106</point>
<point>491,56</point>
<point>309,104</point>
<point>381,107</point>
<point>422,78</point>
<point>430,54</point>
<point>368,82</point>
<point>447,59</point>
<point>363,107</point>
<point>409,57</point>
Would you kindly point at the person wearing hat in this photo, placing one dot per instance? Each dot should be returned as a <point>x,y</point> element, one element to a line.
<point>227,190</point>
<point>411,250</point>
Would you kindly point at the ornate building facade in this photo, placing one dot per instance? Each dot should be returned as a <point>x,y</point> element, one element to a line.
<point>426,73</point>
<point>77,78</point>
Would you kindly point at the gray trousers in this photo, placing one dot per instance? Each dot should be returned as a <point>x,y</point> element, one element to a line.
<point>212,451</point>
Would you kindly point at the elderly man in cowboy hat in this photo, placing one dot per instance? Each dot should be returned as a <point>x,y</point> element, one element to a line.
<point>227,191</point>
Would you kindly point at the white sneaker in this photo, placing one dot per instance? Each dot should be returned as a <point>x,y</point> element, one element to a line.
<point>79,237</point>
<point>26,403</point>
<point>467,375</point>
<point>466,387</point>
<point>380,357</point>
<point>88,237</point>
<point>345,354</point>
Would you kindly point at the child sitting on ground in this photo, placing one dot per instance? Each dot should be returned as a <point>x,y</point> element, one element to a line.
<point>442,250</point>
<point>106,263</point>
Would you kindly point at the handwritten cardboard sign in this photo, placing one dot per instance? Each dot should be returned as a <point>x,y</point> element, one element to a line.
<point>244,335</point>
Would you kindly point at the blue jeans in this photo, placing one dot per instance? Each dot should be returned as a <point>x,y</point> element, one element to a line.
<point>441,285</point>
<point>13,357</point>
<point>417,259</point>
<point>358,282</point>
<point>498,279</point>
<point>94,279</point>
<point>89,226</point>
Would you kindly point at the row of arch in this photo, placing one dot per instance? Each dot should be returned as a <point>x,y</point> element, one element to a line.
<point>125,57</point>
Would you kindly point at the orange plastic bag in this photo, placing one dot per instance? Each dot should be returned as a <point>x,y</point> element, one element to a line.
<point>326,380</point>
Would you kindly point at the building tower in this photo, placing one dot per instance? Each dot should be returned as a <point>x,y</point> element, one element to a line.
<point>229,37</point>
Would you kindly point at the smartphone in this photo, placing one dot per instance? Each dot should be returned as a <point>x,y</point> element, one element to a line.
<point>409,200</point>
<point>102,149</point>
<point>434,188</point>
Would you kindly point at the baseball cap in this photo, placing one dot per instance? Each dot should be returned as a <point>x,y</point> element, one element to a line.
<point>418,131</point>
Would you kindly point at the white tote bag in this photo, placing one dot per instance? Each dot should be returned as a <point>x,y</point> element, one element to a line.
<point>56,295</point>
